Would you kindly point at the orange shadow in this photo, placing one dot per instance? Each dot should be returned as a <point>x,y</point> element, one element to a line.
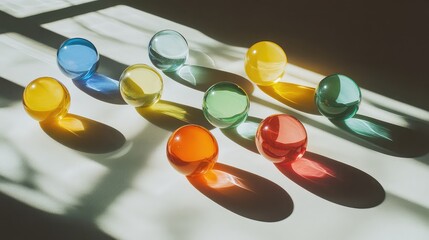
<point>293,95</point>
<point>334,181</point>
<point>83,134</point>
<point>244,193</point>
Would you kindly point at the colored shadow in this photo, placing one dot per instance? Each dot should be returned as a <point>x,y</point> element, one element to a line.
<point>244,134</point>
<point>386,137</point>
<point>202,78</point>
<point>293,95</point>
<point>334,181</point>
<point>83,134</point>
<point>244,193</point>
<point>170,115</point>
<point>101,87</point>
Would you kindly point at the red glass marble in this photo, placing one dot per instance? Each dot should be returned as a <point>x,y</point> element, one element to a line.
<point>281,138</point>
<point>192,150</point>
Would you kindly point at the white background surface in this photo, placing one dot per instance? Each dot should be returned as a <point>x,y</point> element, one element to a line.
<point>133,192</point>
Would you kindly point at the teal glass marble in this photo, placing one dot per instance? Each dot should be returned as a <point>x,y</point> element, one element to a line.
<point>338,97</point>
<point>168,50</point>
<point>225,105</point>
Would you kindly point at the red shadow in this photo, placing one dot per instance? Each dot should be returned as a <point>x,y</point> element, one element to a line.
<point>334,181</point>
<point>244,193</point>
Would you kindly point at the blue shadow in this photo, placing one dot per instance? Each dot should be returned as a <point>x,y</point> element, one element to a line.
<point>101,87</point>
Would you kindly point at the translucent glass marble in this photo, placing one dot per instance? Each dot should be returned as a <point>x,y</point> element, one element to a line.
<point>265,63</point>
<point>77,58</point>
<point>225,105</point>
<point>140,85</point>
<point>46,98</point>
<point>168,50</point>
<point>192,150</point>
<point>338,97</point>
<point>281,138</point>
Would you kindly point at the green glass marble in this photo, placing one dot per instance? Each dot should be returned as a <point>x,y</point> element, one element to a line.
<point>338,97</point>
<point>225,105</point>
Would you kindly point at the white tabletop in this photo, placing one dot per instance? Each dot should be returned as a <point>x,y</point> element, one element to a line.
<point>371,184</point>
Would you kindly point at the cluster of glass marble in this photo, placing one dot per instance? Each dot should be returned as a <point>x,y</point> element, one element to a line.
<point>192,149</point>
<point>337,96</point>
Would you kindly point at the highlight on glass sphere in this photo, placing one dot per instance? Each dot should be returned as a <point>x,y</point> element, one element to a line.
<point>46,98</point>
<point>338,97</point>
<point>140,85</point>
<point>281,138</point>
<point>265,63</point>
<point>192,150</point>
<point>225,105</point>
<point>168,50</point>
<point>77,58</point>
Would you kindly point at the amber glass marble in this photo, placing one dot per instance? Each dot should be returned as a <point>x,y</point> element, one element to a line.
<point>46,98</point>
<point>192,150</point>
<point>281,138</point>
<point>140,85</point>
<point>265,63</point>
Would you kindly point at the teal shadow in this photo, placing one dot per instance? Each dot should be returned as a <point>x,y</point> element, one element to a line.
<point>386,137</point>
<point>244,134</point>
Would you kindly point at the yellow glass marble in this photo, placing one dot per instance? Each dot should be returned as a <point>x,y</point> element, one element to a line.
<point>140,85</point>
<point>265,63</point>
<point>46,98</point>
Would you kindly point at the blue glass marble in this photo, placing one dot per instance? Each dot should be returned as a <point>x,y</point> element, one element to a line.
<point>338,97</point>
<point>168,50</point>
<point>77,58</point>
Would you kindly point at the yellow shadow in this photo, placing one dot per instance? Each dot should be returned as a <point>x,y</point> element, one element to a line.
<point>83,134</point>
<point>296,96</point>
<point>170,115</point>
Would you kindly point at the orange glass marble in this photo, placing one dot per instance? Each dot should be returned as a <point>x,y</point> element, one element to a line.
<point>46,98</point>
<point>265,63</point>
<point>192,150</point>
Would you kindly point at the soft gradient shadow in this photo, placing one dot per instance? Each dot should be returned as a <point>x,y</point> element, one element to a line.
<point>244,193</point>
<point>101,87</point>
<point>9,92</point>
<point>293,95</point>
<point>83,134</point>
<point>20,221</point>
<point>170,116</point>
<point>334,181</point>
<point>201,78</point>
<point>386,137</point>
<point>244,134</point>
